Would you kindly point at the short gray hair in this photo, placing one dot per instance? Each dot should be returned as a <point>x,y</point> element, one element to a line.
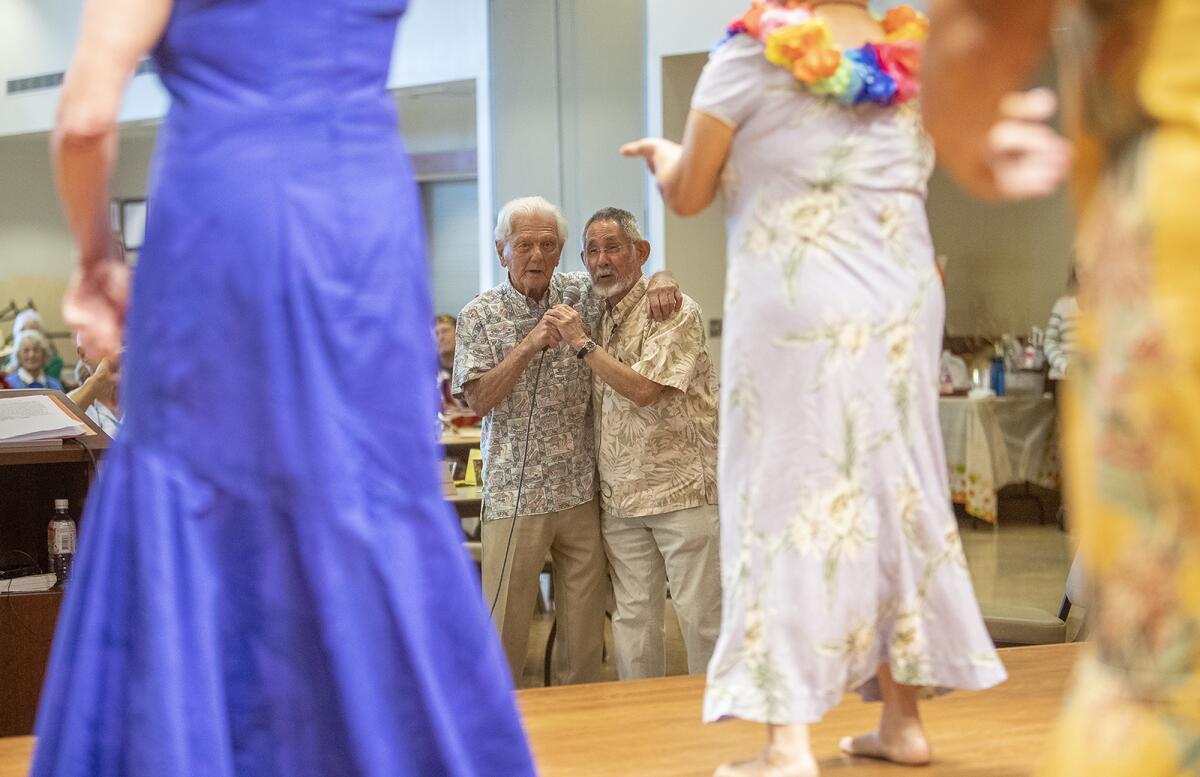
<point>623,218</point>
<point>529,206</point>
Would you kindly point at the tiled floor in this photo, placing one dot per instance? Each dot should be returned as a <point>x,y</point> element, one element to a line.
<point>1017,562</point>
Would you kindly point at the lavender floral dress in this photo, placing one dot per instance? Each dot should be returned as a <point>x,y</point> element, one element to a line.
<point>840,551</point>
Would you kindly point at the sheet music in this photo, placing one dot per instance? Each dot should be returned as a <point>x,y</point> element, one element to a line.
<point>25,418</point>
<point>28,584</point>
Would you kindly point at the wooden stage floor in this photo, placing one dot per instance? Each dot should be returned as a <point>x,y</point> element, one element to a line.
<point>652,728</point>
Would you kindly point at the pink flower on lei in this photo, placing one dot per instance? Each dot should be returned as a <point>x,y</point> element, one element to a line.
<point>902,61</point>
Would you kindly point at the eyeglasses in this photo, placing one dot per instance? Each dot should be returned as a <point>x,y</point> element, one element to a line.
<point>612,249</point>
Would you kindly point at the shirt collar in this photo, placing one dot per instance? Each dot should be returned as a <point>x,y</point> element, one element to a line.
<point>630,302</point>
<point>533,305</point>
<point>28,377</point>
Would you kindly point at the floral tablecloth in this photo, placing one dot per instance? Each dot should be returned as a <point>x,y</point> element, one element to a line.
<point>997,441</point>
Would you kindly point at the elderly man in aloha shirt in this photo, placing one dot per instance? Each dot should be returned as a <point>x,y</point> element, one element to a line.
<point>508,356</point>
<point>655,399</point>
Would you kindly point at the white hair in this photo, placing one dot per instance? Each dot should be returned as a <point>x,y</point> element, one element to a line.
<point>23,318</point>
<point>27,335</point>
<point>622,218</point>
<point>529,206</point>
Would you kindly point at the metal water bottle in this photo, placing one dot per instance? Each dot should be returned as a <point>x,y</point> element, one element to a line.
<point>60,537</point>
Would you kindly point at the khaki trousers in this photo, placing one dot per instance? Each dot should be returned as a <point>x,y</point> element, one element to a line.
<point>680,549</point>
<point>572,538</point>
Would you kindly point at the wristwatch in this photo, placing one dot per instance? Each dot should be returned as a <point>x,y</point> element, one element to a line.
<point>587,348</point>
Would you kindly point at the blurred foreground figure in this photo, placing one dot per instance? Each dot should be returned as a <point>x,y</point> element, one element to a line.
<point>1132,85</point>
<point>269,581</point>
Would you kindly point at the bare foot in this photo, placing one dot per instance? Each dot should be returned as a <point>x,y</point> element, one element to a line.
<point>770,764</point>
<point>910,748</point>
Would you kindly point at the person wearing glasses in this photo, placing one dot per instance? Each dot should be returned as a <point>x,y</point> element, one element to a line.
<point>539,487</point>
<point>655,401</point>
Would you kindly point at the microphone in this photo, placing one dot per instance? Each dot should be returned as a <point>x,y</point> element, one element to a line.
<point>571,297</point>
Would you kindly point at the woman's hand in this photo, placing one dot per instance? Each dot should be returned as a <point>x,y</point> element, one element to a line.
<point>687,175</point>
<point>94,307</point>
<point>1025,156</point>
<point>660,155</point>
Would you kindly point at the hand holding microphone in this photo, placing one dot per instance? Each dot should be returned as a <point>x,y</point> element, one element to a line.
<point>545,335</point>
<point>568,324</point>
<point>549,330</point>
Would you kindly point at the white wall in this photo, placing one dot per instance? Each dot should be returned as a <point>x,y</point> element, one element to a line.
<point>693,248</point>
<point>36,253</point>
<point>1007,264</point>
<point>444,41</point>
<point>438,41</point>
<point>450,220</point>
<point>675,27</point>
<point>567,78</point>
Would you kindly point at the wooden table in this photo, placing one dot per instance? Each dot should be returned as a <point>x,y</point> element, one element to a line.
<point>30,481</point>
<point>458,442</point>
<point>652,728</point>
<point>998,441</point>
<point>467,501</point>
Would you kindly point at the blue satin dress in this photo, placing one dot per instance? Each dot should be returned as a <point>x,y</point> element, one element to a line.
<point>269,581</point>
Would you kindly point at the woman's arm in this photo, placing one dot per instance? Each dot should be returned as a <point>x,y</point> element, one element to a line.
<point>100,385</point>
<point>993,140</point>
<point>688,175</point>
<point>494,386</point>
<point>114,36</point>
<point>630,384</point>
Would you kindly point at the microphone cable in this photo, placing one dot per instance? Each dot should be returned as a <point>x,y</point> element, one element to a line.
<point>520,483</point>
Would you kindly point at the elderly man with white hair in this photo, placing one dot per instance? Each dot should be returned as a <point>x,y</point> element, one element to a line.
<point>656,418</point>
<point>539,457</point>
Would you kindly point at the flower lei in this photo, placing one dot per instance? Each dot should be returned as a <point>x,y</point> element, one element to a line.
<point>879,73</point>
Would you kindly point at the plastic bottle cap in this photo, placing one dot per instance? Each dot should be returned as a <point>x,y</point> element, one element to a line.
<point>61,504</point>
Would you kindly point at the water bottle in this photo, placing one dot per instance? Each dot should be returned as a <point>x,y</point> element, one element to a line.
<point>61,542</point>
<point>997,376</point>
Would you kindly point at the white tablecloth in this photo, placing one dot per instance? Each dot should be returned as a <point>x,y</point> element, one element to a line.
<point>994,442</point>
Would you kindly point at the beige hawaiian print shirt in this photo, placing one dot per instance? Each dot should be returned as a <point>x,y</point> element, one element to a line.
<point>561,466</point>
<point>663,457</point>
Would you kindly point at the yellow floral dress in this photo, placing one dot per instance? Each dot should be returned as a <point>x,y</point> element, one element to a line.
<point>1134,399</point>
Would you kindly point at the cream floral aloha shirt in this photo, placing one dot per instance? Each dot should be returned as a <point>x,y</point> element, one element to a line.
<point>663,457</point>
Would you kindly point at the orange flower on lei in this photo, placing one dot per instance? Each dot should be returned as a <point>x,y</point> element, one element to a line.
<point>905,24</point>
<point>805,49</point>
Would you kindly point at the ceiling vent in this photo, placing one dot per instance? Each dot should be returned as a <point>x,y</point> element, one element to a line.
<point>54,80</point>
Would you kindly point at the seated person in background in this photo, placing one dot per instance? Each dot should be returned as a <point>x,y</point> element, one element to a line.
<point>655,403</point>
<point>97,392</point>
<point>33,354</point>
<point>30,319</point>
<point>1060,332</point>
<point>445,327</point>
